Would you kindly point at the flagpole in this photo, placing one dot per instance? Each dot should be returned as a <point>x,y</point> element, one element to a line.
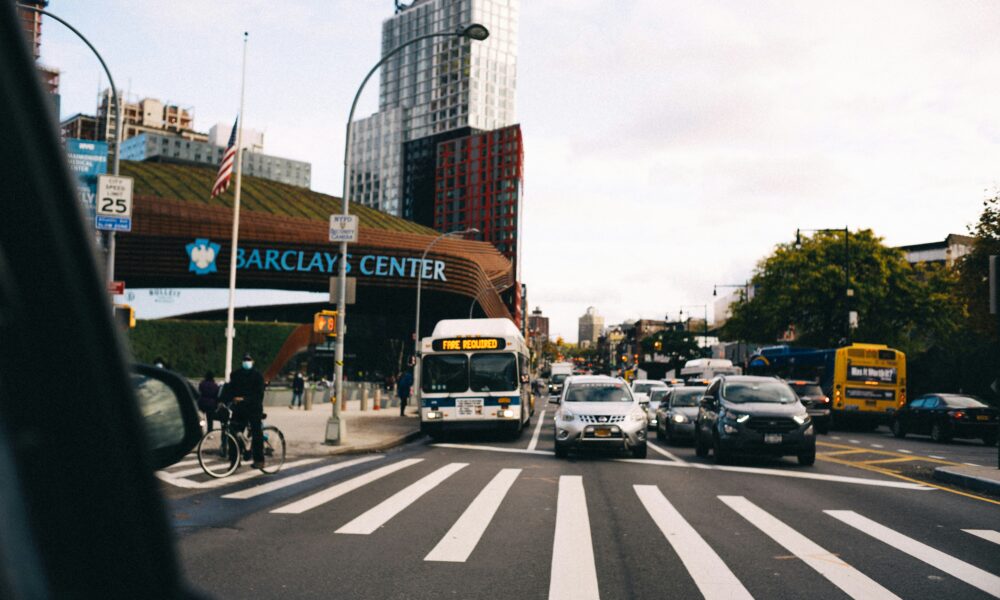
<point>230,328</point>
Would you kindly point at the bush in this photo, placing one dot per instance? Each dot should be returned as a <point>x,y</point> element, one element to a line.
<point>193,347</point>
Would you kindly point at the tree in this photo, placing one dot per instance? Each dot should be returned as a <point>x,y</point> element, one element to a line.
<point>802,288</point>
<point>679,346</point>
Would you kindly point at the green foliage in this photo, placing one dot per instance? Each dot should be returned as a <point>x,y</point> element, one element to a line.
<point>899,305</point>
<point>681,346</point>
<point>973,280</point>
<point>193,347</point>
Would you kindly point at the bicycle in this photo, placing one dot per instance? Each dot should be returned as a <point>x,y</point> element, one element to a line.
<point>222,451</point>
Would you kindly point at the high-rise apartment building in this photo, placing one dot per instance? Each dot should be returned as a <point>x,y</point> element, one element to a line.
<point>31,24</point>
<point>433,87</point>
<point>589,329</point>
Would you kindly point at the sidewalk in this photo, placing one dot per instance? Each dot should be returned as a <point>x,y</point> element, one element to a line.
<point>368,431</point>
<point>981,479</point>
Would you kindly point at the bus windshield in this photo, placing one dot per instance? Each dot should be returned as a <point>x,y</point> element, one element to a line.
<point>445,373</point>
<point>493,373</point>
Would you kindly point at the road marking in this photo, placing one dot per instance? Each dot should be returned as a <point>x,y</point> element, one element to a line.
<point>196,470</point>
<point>971,464</point>
<point>986,534</point>
<point>369,521</point>
<point>880,461</point>
<point>961,570</point>
<point>838,452</point>
<point>573,574</point>
<point>877,446</point>
<point>538,431</point>
<point>322,497</point>
<point>904,451</point>
<point>669,455</point>
<point>183,482</point>
<point>836,437</point>
<point>935,456</point>
<point>289,481</point>
<point>853,582</point>
<point>494,449</point>
<point>710,573</point>
<point>461,539</point>
<point>185,463</point>
<point>854,441</point>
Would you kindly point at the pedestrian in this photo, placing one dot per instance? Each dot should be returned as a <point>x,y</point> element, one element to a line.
<point>245,391</point>
<point>403,391</point>
<point>298,387</point>
<point>208,397</point>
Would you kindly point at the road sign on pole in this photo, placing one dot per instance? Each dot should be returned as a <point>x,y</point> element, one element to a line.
<point>344,228</point>
<point>116,288</point>
<point>113,209</point>
<point>349,295</point>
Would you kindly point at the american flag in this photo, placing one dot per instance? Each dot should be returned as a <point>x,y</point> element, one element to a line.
<point>226,167</point>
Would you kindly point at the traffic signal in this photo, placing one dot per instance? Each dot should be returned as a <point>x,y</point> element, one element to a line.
<point>325,321</point>
<point>125,316</point>
<point>658,345</point>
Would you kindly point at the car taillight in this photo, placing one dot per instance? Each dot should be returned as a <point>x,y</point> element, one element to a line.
<point>824,400</point>
<point>956,414</point>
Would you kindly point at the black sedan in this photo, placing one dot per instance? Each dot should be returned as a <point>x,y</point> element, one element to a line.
<point>816,402</point>
<point>946,416</point>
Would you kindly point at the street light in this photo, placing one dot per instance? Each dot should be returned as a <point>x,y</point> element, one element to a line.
<point>474,31</point>
<point>110,269</point>
<point>475,299</point>
<point>848,292</point>
<point>416,326</point>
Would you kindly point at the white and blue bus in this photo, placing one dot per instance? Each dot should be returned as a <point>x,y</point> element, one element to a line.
<point>474,375</point>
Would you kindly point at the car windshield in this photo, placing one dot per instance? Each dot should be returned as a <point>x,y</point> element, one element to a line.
<point>687,396</point>
<point>445,373</point>
<point>644,388</point>
<point>806,389</point>
<point>561,377</point>
<point>598,392</point>
<point>775,392</point>
<point>493,373</point>
<point>658,396</point>
<point>963,402</point>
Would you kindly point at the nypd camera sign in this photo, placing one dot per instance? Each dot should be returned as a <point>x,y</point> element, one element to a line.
<point>344,228</point>
<point>113,209</point>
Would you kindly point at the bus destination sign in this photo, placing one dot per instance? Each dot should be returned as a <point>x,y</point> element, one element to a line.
<point>468,344</point>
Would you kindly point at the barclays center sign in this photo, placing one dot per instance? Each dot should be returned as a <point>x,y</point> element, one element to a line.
<point>203,253</point>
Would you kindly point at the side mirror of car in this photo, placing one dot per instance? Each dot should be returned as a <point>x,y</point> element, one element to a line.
<point>707,402</point>
<point>168,411</point>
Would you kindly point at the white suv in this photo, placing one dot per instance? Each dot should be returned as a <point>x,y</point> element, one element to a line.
<point>596,411</point>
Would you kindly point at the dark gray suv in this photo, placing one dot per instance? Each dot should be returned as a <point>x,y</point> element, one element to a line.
<point>742,414</point>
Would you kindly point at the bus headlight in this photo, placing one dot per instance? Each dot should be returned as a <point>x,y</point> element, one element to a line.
<point>506,413</point>
<point>433,414</point>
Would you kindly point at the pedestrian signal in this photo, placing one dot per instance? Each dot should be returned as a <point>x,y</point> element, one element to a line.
<point>125,316</point>
<point>325,322</point>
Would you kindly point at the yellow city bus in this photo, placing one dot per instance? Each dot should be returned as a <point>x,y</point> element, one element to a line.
<point>869,383</point>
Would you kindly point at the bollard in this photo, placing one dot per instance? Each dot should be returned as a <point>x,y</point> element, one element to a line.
<point>378,397</point>
<point>364,397</point>
<point>309,397</point>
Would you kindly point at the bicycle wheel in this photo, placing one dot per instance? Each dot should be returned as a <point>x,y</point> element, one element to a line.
<point>218,453</point>
<point>274,449</point>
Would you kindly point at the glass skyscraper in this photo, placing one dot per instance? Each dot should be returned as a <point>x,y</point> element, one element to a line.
<point>433,87</point>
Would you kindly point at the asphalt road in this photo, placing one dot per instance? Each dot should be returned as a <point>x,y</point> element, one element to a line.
<point>505,519</point>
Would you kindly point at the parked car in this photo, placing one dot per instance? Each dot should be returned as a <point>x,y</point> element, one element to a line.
<point>599,412</point>
<point>642,389</point>
<point>677,413</point>
<point>816,402</point>
<point>946,416</point>
<point>742,414</point>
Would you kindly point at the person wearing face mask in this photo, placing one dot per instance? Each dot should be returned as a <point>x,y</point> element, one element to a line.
<point>245,391</point>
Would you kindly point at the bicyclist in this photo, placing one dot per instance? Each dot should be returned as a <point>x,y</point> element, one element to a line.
<point>245,391</point>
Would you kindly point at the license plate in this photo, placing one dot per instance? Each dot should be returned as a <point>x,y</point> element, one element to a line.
<point>602,432</point>
<point>467,407</point>
<point>982,417</point>
<point>772,438</point>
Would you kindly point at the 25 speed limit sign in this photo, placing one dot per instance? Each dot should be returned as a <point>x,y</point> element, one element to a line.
<point>113,209</point>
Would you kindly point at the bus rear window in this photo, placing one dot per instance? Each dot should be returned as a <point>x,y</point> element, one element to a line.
<point>445,373</point>
<point>493,373</point>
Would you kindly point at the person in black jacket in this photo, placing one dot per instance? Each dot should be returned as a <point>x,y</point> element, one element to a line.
<point>298,387</point>
<point>245,391</point>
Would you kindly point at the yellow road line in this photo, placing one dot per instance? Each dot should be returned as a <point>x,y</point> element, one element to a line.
<point>888,460</point>
<point>855,450</point>
<point>890,473</point>
<point>861,451</point>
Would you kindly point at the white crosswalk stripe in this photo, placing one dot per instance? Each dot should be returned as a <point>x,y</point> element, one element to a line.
<point>331,493</point>
<point>461,539</point>
<point>986,534</point>
<point>853,582</point>
<point>574,572</point>
<point>538,430</point>
<point>175,478</point>
<point>374,518</point>
<point>958,569</point>
<point>294,479</point>
<point>710,573</point>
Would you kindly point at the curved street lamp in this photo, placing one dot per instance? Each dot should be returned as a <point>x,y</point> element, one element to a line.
<point>474,31</point>
<point>110,269</point>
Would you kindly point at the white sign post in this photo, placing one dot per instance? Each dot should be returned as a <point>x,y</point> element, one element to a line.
<point>113,208</point>
<point>344,228</point>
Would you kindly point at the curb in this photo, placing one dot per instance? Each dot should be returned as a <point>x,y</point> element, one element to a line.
<point>368,449</point>
<point>972,482</point>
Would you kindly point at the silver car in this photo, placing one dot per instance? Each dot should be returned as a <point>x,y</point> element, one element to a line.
<point>599,412</point>
<point>677,414</point>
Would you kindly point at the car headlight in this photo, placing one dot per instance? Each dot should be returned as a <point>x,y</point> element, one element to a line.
<point>729,428</point>
<point>679,418</point>
<point>567,416</point>
<point>638,415</point>
<point>735,416</point>
<point>801,419</point>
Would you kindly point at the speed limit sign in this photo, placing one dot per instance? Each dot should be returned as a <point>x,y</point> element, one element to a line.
<point>113,208</point>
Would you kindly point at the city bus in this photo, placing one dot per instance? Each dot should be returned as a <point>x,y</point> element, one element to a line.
<point>474,376</point>
<point>866,382</point>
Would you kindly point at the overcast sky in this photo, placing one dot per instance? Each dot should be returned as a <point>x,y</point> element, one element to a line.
<point>669,145</point>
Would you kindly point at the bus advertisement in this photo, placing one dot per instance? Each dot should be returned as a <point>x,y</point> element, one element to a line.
<point>474,375</point>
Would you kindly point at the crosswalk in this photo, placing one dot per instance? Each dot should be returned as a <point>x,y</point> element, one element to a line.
<point>575,570</point>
